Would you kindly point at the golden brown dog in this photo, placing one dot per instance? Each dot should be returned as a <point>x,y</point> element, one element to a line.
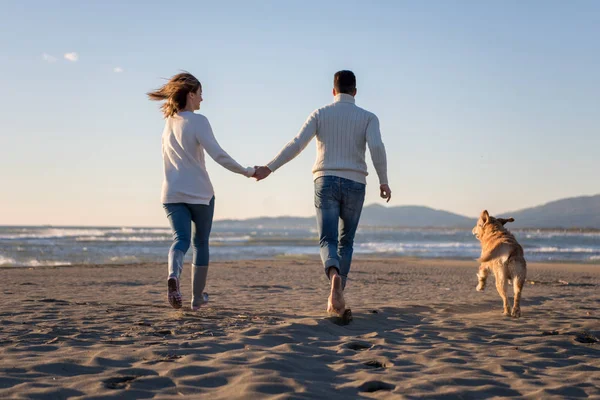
<point>503,255</point>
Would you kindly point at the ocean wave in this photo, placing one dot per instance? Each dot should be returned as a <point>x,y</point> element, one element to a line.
<point>53,233</point>
<point>154,231</point>
<point>124,259</point>
<point>562,250</point>
<point>392,247</point>
<point>6,261</point>
<point>233,239</point>
<point>32,263</point>
<point>416,231</point>
<point>122,239</point>
<point>38,263</point>
<point>302,251</point>
<point>555,234</point>
<point>96,233</point>
<point>226,239</point>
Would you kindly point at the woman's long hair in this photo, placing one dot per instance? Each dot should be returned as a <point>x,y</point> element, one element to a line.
<point>174,93</point>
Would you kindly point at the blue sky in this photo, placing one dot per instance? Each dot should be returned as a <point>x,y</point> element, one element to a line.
<point>482,104</point>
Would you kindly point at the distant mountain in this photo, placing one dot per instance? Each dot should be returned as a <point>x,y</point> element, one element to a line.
<point>268,222</point>
<point>372,215</point>
<point>413,217</point>
<point>575,212</point>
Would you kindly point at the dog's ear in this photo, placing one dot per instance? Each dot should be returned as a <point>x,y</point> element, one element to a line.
<point>503,221</point>
<point>485,216</point>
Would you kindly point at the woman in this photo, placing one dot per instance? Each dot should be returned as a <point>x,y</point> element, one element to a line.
<point>187,193</point>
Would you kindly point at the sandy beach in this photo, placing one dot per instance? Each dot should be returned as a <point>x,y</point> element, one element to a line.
<point>420,330</point>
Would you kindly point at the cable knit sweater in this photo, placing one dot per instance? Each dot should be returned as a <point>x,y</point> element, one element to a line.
<point>343,131</point>
<point>185,137</point>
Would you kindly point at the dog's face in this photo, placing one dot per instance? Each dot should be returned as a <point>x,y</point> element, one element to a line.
<point>485,220</point>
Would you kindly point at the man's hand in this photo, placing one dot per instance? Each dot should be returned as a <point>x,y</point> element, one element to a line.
<point>385,192</point>
<point>261,172</point>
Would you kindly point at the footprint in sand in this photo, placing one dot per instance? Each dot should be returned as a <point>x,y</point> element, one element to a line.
<point>62,302</point>
<point>119,382</point>
<point>167,358</point>
<point>586,337</point>
<point>163,332</point>
<point>550,333</point>
<point>374,386</point>
<point>375,364</point>
<point>358,346</point>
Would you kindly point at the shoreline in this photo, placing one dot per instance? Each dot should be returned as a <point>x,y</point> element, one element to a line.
<point>464,262</point>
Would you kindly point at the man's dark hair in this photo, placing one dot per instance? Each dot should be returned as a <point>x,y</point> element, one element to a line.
<point>344,82</point>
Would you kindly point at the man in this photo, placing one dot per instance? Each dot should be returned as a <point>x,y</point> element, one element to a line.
<point>343,131</point>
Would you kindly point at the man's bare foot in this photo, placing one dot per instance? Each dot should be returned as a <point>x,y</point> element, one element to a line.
<point>335,303</point>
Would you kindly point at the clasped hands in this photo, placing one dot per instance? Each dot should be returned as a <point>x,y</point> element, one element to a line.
<point>261,172</point>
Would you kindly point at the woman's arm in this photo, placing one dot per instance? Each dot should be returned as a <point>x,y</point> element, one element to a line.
<point>207,139</point>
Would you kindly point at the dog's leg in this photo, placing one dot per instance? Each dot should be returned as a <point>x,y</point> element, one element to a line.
<point>481,277</point>
<point>501,284</point>
<point>517,287</point>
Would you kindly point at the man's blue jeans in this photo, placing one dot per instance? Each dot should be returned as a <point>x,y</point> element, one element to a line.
<point>339,203</point>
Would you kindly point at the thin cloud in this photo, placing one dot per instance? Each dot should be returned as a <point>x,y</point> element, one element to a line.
<point>73,57</point>
<point>48,58</point>
<point>118,70</point>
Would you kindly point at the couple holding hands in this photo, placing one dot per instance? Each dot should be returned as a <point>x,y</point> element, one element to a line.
<point>342,130</point>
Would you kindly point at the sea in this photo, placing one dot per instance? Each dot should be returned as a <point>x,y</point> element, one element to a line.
<point>33,246</point>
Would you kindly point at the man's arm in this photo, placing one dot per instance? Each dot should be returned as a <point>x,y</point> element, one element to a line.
<point>377,150</point>
<point>297,144</point>
<point>378,155</point>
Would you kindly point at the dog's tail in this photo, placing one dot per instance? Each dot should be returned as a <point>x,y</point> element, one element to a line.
<point>487,256</point>
<point>496,252</point>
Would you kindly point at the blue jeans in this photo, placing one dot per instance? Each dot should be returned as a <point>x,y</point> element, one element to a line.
<point>181,216</point>
<point>339,202</point>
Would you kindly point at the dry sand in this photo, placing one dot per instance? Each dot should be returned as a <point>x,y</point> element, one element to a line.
<point>420,330</point>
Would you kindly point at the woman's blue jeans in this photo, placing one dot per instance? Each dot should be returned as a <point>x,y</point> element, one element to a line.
<point>191,224</point>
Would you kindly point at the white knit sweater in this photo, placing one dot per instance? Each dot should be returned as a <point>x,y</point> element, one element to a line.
<point>343,131</point>
<point>185,137</point>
